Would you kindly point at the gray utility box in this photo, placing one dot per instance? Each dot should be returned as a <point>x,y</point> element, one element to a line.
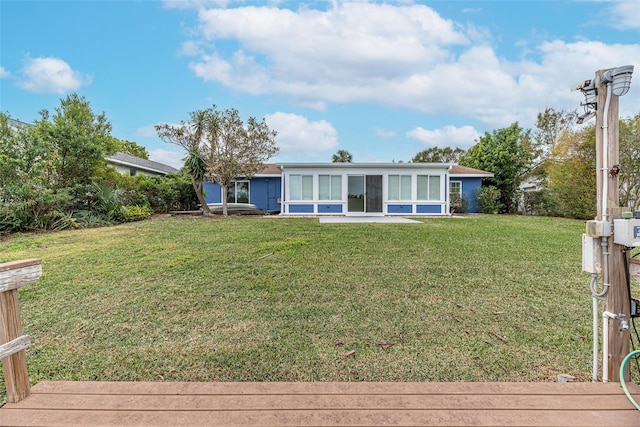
<point>626,232</point>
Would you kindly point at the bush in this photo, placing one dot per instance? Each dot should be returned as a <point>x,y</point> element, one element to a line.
<point>540,202</point>
<point>136,213</point>
<point>459,204</point>
<point>489,199</point>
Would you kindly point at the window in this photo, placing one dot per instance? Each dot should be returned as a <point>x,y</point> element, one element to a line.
<point>301,187</point>
<point>330,187</point>
<point>399,187</point>
<point>132,172</point>
<point>238,192</point>
<point>428,187</point>
<point>455,188</point>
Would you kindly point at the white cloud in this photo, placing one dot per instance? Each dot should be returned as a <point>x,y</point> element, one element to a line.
<point>4,73</point>
<point>167,157</point>
<point>147,131</point>
<point>405,56</point>
<point>625,14</point>
<point>449,136</point>
<point>51,75</point>
<point>384,133</point>
<point>296,134</point>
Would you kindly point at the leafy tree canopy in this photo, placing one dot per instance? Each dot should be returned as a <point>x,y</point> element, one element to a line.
<point>77,141</point>
<point>342,156</point>
<point>439,155</point>
<point>507,153</point>
<point>131,147</point>
<point>630,162</point>
<point>221,146</point>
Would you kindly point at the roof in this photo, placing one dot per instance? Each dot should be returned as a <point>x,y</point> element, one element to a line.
<point>470,172</point>
<point>462,171</point>
<point>126,159</point>
<point>269,169</point>
<point>339,165</point>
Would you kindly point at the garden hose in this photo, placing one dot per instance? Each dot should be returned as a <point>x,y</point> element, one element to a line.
<point>623,382</point>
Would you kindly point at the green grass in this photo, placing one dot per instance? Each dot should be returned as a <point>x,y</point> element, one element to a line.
<point>484,298</point>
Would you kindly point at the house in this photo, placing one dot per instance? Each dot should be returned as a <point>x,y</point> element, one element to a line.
<point>355,188</point>
<point>262,190</point>
<point>126,163</point>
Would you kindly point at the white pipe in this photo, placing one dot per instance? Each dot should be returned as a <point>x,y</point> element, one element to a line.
<point>594,376</point>
<point>605,249</point>
<point>605,347</point>
<point>605,154</point>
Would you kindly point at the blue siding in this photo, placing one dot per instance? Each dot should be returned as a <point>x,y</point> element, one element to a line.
<point>300,208</point>
<point>469,188</point>
<point>431,209</point>
<point>264,192</point>
<point>212,191</point>
<point>399,209</point>
<point>324,208</point>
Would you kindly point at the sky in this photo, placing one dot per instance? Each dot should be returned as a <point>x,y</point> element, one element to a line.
<point>380,79</point>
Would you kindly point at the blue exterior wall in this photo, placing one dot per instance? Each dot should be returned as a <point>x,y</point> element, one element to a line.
<point>212,193</point>
<point>264,192</point>
<point>469,188</point>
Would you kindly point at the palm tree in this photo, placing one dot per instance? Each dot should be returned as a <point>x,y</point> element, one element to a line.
<point>342,156</point>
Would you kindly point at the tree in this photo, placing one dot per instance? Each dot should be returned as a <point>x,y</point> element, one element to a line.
<point>131,147</point>
<point>238,150</point>
<point>21,155</point>
<point>550,125</point>
<point>77,142</point>
<point>572,174</point>
<point>220,146</point>
<point>630,162</point>
<point>342,156</point>
<point>439,155</point>
<point>194,138</point>
<point>507,153</point>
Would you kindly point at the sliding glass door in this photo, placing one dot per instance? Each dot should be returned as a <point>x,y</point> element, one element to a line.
<point>364,193</point>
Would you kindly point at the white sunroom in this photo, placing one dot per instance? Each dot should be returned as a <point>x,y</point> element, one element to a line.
<point>365,188</point>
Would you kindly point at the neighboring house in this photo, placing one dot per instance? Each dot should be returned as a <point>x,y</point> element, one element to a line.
<point>126,163</point>
<point>355,188</point>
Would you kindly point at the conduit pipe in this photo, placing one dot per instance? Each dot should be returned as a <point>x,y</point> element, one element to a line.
<point>624,325</point>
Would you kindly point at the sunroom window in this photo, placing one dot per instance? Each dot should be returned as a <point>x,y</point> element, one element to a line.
<point>399,187</point>
<point>330,187</point>
<point>301,187</point>
<point>429,187</point>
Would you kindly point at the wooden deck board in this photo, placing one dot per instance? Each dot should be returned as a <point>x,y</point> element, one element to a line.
<point>323,404</point>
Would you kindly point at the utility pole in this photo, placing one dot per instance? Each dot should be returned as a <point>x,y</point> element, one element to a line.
<point>617,297</point>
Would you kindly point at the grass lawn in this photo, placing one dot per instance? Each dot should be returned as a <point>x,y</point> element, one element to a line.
<point>483,298</point>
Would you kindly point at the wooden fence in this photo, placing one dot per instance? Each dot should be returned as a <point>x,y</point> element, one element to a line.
<point>13,343</point>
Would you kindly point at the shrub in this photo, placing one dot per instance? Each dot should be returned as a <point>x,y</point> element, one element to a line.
<point>136,213</point>
<point>489,199</point>
<point>459,204</point>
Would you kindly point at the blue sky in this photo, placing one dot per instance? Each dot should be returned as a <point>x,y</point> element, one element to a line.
<point>383,80</point>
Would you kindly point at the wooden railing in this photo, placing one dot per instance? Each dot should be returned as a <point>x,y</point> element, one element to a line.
<point>13,344</point>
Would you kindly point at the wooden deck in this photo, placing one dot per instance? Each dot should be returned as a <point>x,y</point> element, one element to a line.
<point>323,404</point>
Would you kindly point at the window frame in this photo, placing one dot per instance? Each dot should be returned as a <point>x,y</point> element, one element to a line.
<point>399,192</point>
<point>299,194</point>
<point>420,191</point>
<point>332,196</point>
<point>233,189</point>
